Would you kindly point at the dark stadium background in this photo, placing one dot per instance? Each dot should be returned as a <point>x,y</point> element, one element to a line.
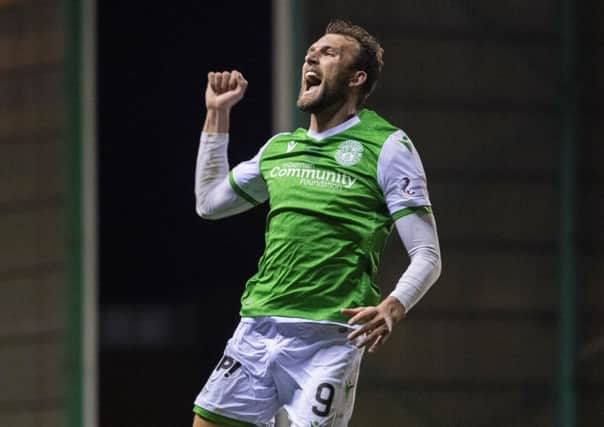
<point>503,99</point>
<point>156,255</point>
<point>487,92</point>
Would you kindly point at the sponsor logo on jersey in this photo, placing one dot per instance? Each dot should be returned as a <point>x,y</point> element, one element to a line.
<point>291,145</point>
<point>349,153</point>
<point>411,189</point>
<point>405,187</point>
<point>309,175</point>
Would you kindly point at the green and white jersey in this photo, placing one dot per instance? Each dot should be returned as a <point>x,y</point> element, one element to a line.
<point>333,199</point>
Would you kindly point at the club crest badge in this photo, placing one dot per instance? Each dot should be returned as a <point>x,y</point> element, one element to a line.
<point>349,153</point>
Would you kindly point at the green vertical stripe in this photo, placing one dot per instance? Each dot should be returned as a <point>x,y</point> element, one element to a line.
<point>74,213</point>
<point>298,40</point>
<point>567,252</point>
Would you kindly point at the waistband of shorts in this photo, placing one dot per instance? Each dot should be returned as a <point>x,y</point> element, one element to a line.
<point>294,320</point>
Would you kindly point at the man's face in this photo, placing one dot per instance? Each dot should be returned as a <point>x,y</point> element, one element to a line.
<point>326,72</point>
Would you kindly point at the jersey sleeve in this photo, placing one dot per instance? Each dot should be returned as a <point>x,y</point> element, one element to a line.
<point>401,177</point>
<point>246,179</point>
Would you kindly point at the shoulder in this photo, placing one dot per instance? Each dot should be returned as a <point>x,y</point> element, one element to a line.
<point>282,137</point>
<point>399,141</point>
<point>392,134</point>
<point>275,139</point>
<point>279,136</point>
<point>281,142</point>
<point>398,156</point>
<point>381,131</point>
<point>373,121</point>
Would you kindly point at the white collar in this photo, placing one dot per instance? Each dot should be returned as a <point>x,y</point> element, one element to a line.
<point>334,130</point>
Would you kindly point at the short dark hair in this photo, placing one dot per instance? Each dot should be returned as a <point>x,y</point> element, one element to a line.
<point>370,58</point>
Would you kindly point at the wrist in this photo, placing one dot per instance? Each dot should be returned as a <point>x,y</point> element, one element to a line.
<point>396,307</point>
<point>218,109</point>
<point>217,120</point>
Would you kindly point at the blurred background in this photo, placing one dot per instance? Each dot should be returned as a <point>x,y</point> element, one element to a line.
<point>116,300</point>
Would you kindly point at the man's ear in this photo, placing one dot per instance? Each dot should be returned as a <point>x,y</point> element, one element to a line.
<point>358,79</point>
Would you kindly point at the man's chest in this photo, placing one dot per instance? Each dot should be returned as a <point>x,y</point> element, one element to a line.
<point>335,172</point>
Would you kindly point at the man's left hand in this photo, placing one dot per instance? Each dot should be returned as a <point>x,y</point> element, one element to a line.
<point>377,322</point>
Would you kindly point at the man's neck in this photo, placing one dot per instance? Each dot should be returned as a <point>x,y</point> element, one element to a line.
<point>331,117</point>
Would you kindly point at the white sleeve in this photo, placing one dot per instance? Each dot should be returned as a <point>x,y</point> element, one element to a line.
<point>401,176</point>
<point>420,238</point>
<point>247,181</point>
<point>214,197</point>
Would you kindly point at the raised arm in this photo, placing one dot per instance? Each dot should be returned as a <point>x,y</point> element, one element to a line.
<point>223,91</point>
<point>214,197</point>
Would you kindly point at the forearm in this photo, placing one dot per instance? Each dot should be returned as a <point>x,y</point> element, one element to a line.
<point>214,197</point>
<point>217,120</point>
<point>212,164</point>
<point>420,238</point>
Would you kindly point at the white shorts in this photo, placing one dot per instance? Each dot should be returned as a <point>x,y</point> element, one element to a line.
<point>308,368</point>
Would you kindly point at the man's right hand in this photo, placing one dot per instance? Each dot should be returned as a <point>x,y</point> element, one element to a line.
<point>224,90</point>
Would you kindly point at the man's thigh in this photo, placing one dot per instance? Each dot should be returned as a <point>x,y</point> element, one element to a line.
<point>238,391</point>
<point>200,422</point>
<point>324,375</point>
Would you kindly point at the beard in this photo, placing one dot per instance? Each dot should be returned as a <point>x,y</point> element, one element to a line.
<point>326,96</point>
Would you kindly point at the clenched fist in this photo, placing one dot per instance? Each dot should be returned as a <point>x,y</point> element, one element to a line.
<point>224,90</point>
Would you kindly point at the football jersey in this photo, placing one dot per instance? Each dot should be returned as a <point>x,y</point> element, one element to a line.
<point>333,199</point>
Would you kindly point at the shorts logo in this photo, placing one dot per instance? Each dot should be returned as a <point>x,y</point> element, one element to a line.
<point>229,364</point>
<point>349,153</point>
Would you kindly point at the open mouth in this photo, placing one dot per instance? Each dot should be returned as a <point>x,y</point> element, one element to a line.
<point>311,82</point>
